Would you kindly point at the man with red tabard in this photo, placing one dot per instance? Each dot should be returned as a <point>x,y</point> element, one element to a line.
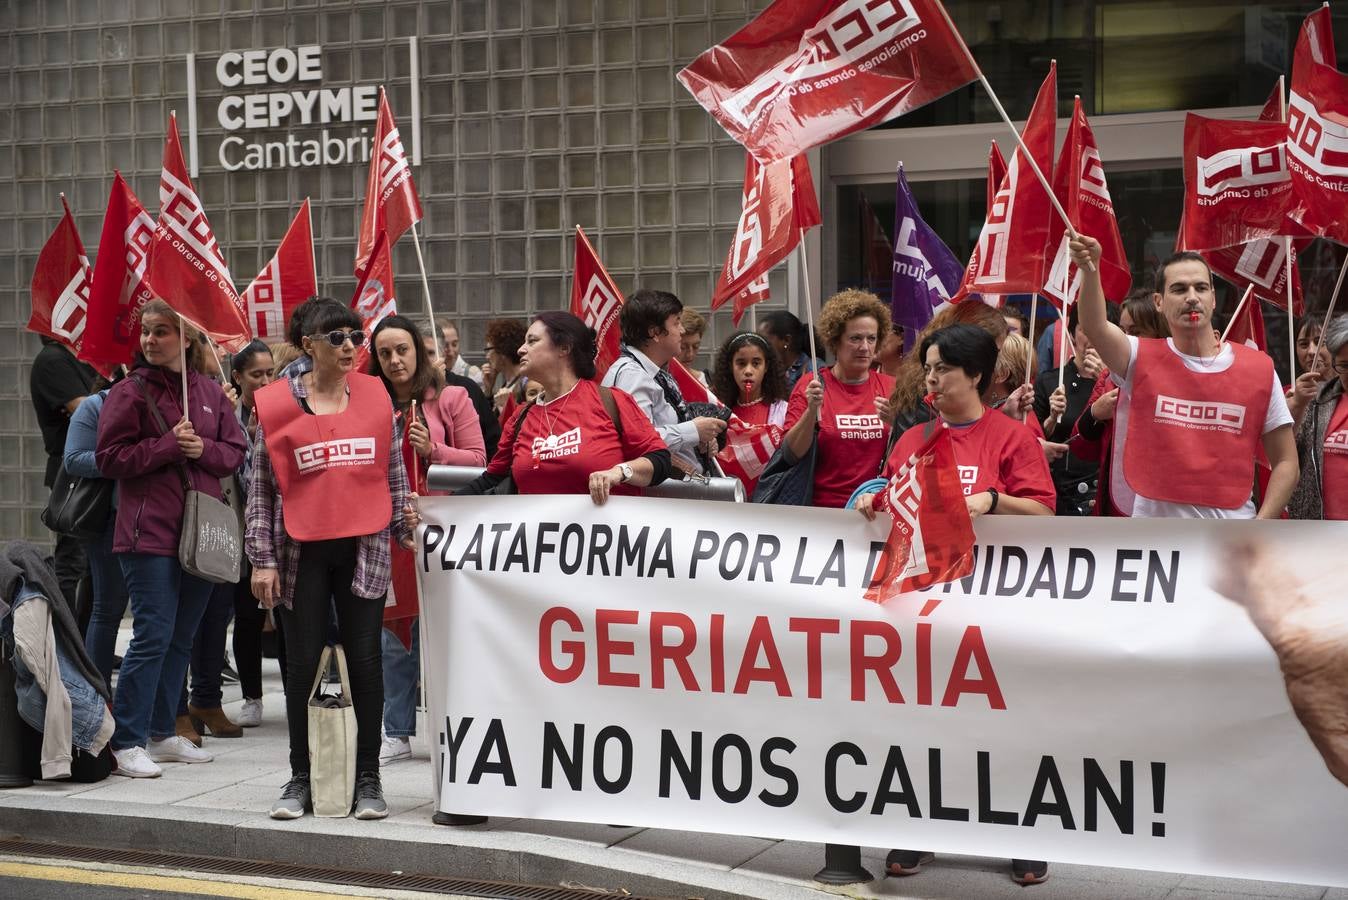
<point>1197,408</point>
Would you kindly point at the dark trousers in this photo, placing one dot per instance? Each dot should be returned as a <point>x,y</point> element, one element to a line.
<point>323,582</point>
<point>208,651</point>
<point>70,565</point>
<point>248,622</point>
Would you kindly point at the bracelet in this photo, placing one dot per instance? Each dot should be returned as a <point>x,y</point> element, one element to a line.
<point>995,497</point>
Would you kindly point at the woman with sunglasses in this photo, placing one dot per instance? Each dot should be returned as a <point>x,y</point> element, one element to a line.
<point>1322,436</point>
<point>328,488</point>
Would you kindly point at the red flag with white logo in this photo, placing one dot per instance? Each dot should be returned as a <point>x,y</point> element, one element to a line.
<point>286,281</point>
<point>1009,256</point>
<point>1236,182</point>
<point>1247,327</point>
<point>391,202</point>
<point>596,301</point>
<point>931,540</point>
<point>60,288</point>
<point>806,72</point>
<point>1317,133</point>
<point>374,297</point>
<point>119,289</point>
<point>748,448</point>
<point>693,391</point>
<point>779,203</point>
<point>1080,185</point>
<point>187,267</point>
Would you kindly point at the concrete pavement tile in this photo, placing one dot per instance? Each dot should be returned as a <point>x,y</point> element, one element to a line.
<point>589,832</point>
<point>230,769</point>
<point>721,850</point>
<point>1243,887</point>
<point>411,778</point>
<point>788,860</point>
<point>1204,893</point>
<point>1116,876</point>
<point>241,797</point>
<point>153,791</point>
<point>1336,893</point>
<point>49,789</point>
<point>418,815</point>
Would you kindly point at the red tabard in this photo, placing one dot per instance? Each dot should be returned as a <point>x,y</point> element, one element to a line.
<point>332,470</point>
<point>1193,437</point>
<point>1334,479</point>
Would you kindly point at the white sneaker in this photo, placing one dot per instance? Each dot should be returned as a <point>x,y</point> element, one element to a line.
<point>251,714</point>
<point>134,762</point>
<point>177,749</point>
<point>392,749</point>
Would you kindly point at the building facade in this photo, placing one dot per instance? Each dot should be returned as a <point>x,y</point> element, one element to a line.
<point>525,118</point>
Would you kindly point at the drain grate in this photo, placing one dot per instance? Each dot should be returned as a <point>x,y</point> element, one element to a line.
<point>297,872</point>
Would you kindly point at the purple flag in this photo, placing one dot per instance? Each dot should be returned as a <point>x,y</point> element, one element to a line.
<point>926,273</point>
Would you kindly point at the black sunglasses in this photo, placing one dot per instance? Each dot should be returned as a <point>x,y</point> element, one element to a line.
<point>338,338</point>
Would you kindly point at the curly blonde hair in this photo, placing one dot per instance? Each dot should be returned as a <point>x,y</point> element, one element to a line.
<point>1014,359</point>
<point>845,306</point>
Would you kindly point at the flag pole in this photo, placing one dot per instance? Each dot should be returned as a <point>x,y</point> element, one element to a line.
<point>809,306</point>
<point>1020,142</point>
<point>1240,307</point>
<point>1029,360</point>
<point>182,358</point>
<point>1287,244</point>
<point>1062,350</point>
<point>313,256</point>
<point>1329,313</point>
<point>426,288</point>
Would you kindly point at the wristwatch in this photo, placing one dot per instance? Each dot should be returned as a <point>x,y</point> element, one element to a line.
<point>627,472</point>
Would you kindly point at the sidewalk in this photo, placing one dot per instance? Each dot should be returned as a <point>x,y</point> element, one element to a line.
<point>220,809</point>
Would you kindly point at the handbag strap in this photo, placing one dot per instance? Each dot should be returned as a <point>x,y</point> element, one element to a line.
<point>328,653</point>
<point>163,428</point>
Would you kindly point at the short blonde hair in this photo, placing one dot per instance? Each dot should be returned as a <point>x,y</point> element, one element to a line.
<point>845,306</point>
<point>692,321</point>
<point>1014,359</point>
<point>283,353</point>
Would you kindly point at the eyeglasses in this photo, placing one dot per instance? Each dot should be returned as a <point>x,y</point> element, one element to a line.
<point>338,338</point>
<point>1340,367</point>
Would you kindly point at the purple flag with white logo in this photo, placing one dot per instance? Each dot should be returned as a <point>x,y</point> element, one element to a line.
<point>926,273</point>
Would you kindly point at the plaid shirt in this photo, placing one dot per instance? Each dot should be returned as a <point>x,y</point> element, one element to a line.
<point>265,538</point>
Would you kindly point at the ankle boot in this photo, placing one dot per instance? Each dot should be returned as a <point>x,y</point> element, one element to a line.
<point>183,728</point>
<point>213,722</point>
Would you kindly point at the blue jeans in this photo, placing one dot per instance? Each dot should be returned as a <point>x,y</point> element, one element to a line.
<point>166,607</point>
<point>109,602</point>
<point>401,671</point>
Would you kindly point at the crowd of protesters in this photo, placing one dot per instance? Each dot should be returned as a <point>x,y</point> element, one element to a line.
<point>1068,435</point>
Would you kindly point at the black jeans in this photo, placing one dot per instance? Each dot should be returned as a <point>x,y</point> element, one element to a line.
<point>322,582</point>
<point>208,651</point>
<point>70,564</point>
<point>248,621</point>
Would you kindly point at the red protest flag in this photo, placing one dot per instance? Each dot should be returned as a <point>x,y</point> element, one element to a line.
<point>996,172</point>
<point>1315,44</point>
<point>286,281</point>
<point>187,267</point>
<point>806,72</point>
<point>1247,325</point>
<point>1317,140</point>
<point>391,202</point>
<point>1080,185</point>
<point>1263,265</point>
<point>748,449</point>
<point>693,391</point>
<point>1236,182</point>
<point>60,288</point>
<point>596,301</point>
<point>374,297</point>
<point>119,289</point>
<point>931,540</point>
<point>779,203</point>
<point>1009,256</point>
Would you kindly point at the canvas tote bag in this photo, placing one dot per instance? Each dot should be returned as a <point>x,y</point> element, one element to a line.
<point>332,741</point>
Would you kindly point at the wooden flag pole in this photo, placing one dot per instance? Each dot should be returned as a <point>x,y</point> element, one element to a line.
<point>809,306</point>
<point>1062,350</point>
<point>426,289</point>
<point>182,359</point>
<point>313,255</point>
<point>1020,142</point>
<point>1291,325</point>
<point>1029,361</point>
<point>1240,307</point>
<point>1329,313</point>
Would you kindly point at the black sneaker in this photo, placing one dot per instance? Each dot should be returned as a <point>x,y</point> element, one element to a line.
<point>370,797</point>
<point>1029,871</point>
<point>295,798</point>
<point>907,862</point>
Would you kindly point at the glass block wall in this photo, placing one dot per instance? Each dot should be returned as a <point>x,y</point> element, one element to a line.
<point>537,115</point>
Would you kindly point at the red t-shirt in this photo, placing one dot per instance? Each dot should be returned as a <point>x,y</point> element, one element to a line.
<point>561,442</point>
<point>851,436</point>
<point>1334,477</point>
<point>995,451</point>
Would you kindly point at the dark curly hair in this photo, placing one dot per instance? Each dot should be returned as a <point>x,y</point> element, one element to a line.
<point>506,336</point>
<point>568,333</point>
<point>723,375</point>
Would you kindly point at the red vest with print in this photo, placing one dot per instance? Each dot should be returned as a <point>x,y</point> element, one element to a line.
<point>1193,437</point>
<point>1334,477</point>
<point>332,469</point>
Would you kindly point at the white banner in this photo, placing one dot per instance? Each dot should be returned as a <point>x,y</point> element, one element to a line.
<point>1097,692</point>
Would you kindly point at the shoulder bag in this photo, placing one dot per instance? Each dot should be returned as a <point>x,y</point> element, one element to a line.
<point>78,506</point>
<point>208,546</point>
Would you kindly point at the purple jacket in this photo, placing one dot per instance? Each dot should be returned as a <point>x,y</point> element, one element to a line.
<point>145,462</point>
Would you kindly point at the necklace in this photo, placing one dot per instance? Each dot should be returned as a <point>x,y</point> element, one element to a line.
<point>547,407</point>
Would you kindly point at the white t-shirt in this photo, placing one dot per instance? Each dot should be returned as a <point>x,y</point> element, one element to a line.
<point>1132,503</point>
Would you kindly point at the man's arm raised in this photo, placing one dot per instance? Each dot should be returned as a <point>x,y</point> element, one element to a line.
<point>1109,340</point>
